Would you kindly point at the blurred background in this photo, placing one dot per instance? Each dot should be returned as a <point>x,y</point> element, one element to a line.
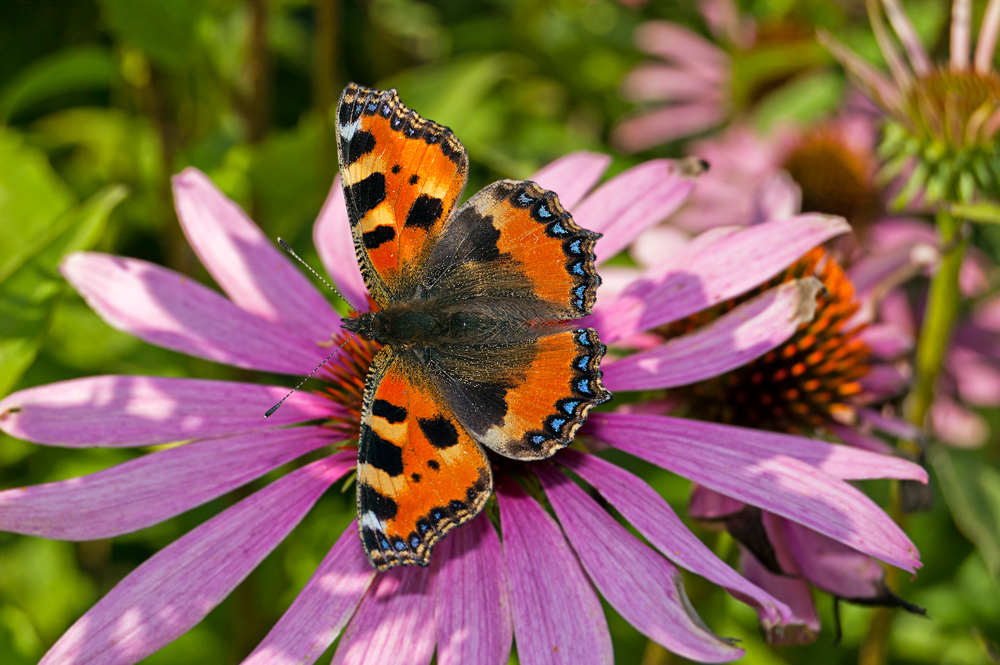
<point>102,100</point>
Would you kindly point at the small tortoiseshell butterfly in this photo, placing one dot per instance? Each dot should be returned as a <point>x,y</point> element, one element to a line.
<point>471,312</point>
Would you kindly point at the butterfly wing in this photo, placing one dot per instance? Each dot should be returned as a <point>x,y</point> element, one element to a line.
<point>402,176</point>
<point>419,472</point>
<point>513,255</point>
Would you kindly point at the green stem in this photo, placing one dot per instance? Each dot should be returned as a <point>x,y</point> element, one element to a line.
<point>942,309</point>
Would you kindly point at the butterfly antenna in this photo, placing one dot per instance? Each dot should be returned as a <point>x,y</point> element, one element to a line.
<point>308,376</point>
<point>316,274</point>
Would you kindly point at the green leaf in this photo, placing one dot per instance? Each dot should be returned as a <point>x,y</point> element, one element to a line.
<point>164,29</point>
<point>985,212</point>
<point>30,282</point>
<point>971,487</point>
<point>32,196</point>
<point>69,70</point>
<point>803,100</point>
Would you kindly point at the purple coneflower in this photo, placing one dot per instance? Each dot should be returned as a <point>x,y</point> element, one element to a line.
<point>541,585</point>
<point>698,84</point>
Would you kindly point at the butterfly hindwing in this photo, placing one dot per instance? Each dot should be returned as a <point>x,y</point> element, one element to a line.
<point>534,403</point>
<point>419,472</point>
<point>402,176</point>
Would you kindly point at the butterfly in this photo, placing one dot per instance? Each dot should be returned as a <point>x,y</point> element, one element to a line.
<point>471,315</point>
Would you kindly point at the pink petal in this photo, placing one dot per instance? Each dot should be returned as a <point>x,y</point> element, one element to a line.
<point>172,311</point>
<point>908,36</point>
<point>152,488</point>
<point>654,246</point>
<point>988,31</point>
<point>734,339</point>
<point>635,200</point>
<point>659,524</point>
<point>335,245</point>
<point>885,380</point>
<point>874,275</point>
<point>248,266</point>
<point>671,41</point>
<point>852,437</point>
<point>557,616</point>
<point>977,378</point>
<point>172,591</point>
<point>803,626</point>
<point>873,83</point>
<point>654,81</point>
<point>832,566</point>
<point>640,584</point>
<point>147,410</point>
<point>472,611</point>
<point>394,623</point>
<point>669,123</point>
<point>886,340</point>
<point>322,609</point>
<point>961,33</point>
<point>896,427</point>
<point>572,176</point>
<point>767,470</point>
<point>708,272</point>
<point>706,504</point>
<point>956,425</point>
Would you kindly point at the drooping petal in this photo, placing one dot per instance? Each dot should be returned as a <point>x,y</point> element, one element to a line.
<point>472,609</point>
<point>557,616</point>
<point>635,200</point>
<point>977,377</point>
<point>169,310</point>
<point>674,42</point>
<point>335,245</point>
<point>732,340</point>
<point>152,488</point>
<point>987,42</point>
<point>322,608</point>
<point>730,263</point>
<point>768,470</point>
<point>174,589</point>
<point>956,425</point>
<point>640,584</point>
<point>803,625</point>
<point>394,625</point>
<point>572,176</point>
<point>111,411</point>
<point>900,72</point>
<point>255,275</point>
<point>653,81</point>
<point>872,81</point>
<point>647,129</point>
<point>853,437</point>
<point>706,504</point>
<point>655,519</point>
<point>961,33</point>
<point>908,37</point>
<point>833,566</point>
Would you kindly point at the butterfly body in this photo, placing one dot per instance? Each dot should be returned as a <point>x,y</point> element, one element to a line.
<point>472,315</point>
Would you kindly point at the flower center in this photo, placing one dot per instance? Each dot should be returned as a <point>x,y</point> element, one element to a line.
<point>956,107</point>
<point>835,179</point>
<point>808,383</point>
<point>346,381</point>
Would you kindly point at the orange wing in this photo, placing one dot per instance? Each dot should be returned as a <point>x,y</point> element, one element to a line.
<point>402,176</point>
<point>420,474</point>
<point>533,404</point>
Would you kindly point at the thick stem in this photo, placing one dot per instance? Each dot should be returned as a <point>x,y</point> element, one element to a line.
<point>935,334</point>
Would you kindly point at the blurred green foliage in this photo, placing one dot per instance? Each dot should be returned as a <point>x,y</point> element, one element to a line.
<point>102,100</point>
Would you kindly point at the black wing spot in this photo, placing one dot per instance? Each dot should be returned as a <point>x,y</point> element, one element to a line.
<point>424,212</point>
<point>361,144</point>
<point>415,477</point>
<point>439,431</point>
<point>377,236</point>
<point>432,464</point>
<point>414,179</point>
<point>381,454</point>
<point>392,413</point>
<point>370,499</point>
<point>367,194</point>
<point>396,168</point>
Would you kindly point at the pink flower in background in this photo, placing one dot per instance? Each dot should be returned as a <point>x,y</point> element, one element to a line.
<point>477,593</point>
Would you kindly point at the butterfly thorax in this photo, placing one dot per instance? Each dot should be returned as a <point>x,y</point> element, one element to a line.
<point>425,324</point>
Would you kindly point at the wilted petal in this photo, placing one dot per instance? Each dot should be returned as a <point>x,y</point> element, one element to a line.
<point>147,410</point>
<point>803,626</point>
<point>173,590</point>
<point>572,176</point>
<point>255,275</point>
<point>767,470</point>
<point>633,201</point>
<point>322,608</point>
<point>472,610</point>
<point>152,488</point>
<point>650,128</point>
<point>170,310</point>
<point>557,616</point>
<point>731,341</point>
<point>394,623</point>
<point>641,585</point>
<point>727,264</point>
<point>335,245</point>
<point>655,519</point>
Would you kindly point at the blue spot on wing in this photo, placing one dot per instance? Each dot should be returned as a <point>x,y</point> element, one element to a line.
<point>570,407</point>
<point>583,362</point>
<point>583,386</point>
<point>559,229</point>
<point>575,247</point>
<point>557,423</point>
<point>578,268</point>
<point>537,440</point>
<point>543,212</point>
